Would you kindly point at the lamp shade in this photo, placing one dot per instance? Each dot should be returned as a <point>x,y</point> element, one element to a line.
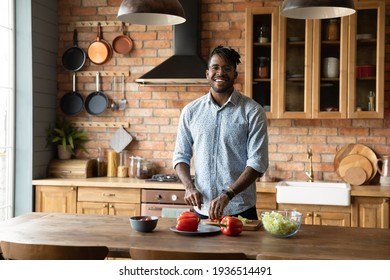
<point>151,12</point>
<point>317,9</point>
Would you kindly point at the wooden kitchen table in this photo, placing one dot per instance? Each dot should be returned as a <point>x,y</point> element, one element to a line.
<point>319,242</point>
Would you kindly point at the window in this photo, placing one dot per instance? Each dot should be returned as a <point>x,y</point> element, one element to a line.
<point>7,90</point>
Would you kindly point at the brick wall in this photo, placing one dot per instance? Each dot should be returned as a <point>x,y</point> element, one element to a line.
<point>153,112</point>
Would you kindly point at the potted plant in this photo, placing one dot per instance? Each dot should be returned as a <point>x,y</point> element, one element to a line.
<point>67,138</point>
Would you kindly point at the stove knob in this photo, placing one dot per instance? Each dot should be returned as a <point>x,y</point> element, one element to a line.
<point>174,197</point>
<point>158,197</point>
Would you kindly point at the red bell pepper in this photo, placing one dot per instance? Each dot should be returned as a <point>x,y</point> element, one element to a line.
<point>231,226</point>
<point>187,221</point>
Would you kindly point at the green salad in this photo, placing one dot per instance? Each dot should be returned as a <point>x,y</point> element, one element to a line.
<point>276,223</point>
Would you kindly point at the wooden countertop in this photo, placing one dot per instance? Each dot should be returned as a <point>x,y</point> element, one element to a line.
<point>264,187</point>
<point>311,242</point>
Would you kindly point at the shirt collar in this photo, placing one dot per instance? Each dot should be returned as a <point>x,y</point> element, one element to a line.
<point>234,98</point>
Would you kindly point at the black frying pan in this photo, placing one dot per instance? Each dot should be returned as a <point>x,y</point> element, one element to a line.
<point>74,58</point>
<point>96,102</point>
<point>72,102</point>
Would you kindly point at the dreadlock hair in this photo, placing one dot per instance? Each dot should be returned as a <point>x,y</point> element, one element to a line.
<point>228,53</point>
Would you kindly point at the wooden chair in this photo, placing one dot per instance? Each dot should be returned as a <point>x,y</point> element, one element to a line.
<point>19,251</point>
<point>137,253</point>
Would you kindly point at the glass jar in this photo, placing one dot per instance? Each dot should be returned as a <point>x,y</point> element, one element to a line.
<point>332,30</point>
<point>122,167</point>
<point>145,169</point>
<point>263,34</point>
<point>263,67</point>
<point>101,164</point>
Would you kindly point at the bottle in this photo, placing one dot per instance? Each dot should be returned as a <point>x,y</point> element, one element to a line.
<point>332,30</point>
<point>371,101</point>
<point>122,167</point>
<point>101,164</point>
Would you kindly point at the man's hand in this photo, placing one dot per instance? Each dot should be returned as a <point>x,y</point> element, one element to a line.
<point>193,197</point>
<point>217,205</point>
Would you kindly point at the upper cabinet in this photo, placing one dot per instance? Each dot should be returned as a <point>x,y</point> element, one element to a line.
<point>261,62</point>
<point>366,60</point>
<point>317,69</point>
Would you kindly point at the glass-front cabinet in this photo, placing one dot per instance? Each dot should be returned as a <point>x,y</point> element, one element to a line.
<point>366,60</point>
<point>317,69</point>
<point>261,62</point>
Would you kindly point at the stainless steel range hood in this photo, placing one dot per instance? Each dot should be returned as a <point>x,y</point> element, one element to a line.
<point>185,66</point>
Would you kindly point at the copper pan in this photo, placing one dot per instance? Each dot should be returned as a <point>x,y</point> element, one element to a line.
<point>99,51</point>
<point>122,44</point>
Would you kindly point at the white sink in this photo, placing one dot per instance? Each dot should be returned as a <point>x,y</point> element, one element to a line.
<point>321,193</point>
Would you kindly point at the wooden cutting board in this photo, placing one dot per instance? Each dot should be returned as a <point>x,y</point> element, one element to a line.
<point>252,225</point>
<point>355,176</point>
<point>355,160</point>
<point>359,149</point>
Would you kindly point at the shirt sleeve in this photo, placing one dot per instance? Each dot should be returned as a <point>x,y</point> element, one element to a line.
<point>184,141</point>
<point>258,140</point>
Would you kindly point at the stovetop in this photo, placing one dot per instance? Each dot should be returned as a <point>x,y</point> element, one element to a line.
<point>164,178</point>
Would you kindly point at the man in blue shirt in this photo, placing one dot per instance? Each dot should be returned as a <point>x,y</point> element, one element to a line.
<point>225,133</point>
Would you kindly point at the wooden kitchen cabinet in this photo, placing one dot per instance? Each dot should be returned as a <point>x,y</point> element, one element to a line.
<point>266,201</point>
<point>366,48</point>
<point>55,199</point>
<point>370,212</point>
<point>109,201</point>
<point>322,214</point>
<point>261,83</point>
<point>298,86</point>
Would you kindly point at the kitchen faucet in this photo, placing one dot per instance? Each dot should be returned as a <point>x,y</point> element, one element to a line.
<point>310,172</point>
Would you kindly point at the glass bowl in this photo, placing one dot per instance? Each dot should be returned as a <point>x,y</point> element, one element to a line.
<point>281,223</point>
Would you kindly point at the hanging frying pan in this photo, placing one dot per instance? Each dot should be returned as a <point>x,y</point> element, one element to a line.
<point>99,52</point>
<point>122,44</point>
<point>96,102</point>
<point>74,58</point>
<point>72,102</point>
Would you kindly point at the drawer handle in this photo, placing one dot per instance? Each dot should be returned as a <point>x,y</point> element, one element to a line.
<point>108,194</point>
<point>155,208</point>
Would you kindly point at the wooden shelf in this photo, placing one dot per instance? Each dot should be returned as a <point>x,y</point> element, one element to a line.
<point>101,124</point>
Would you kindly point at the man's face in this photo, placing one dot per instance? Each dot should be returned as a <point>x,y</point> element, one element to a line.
<point>221,74</point>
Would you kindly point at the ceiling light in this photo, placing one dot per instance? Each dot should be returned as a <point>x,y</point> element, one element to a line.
<point>151,12</point>
<point>317,9</point>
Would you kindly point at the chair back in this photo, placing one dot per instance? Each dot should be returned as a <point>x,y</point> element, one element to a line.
<point>22,251</point>
<point>138,253</point>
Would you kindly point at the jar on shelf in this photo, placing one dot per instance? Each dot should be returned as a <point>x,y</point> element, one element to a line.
<point>263,67</point>
<point>263,34</point>
<point>332,30</point>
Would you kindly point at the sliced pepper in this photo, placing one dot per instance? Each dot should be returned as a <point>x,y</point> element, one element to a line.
<point>187,221</point>
<point>231,226</point>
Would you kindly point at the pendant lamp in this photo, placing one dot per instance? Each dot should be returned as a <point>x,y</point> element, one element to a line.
<point>151,12</point>
<point>317,9</point>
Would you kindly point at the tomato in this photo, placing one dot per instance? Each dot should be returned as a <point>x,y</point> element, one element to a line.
<point>187,221</point>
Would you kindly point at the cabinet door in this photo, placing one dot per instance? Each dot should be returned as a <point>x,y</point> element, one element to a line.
<point>295,68</point>
<point>330,68</point>
<point>124,209</point>
<point>55,199</point>
<point>260,82</point>
<point>370,212</point>
<point>93,208</point>
<point>367,56</point>
<point>332,219</point>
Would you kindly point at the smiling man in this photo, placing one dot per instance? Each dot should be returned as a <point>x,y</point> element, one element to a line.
<point>226,133</point>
